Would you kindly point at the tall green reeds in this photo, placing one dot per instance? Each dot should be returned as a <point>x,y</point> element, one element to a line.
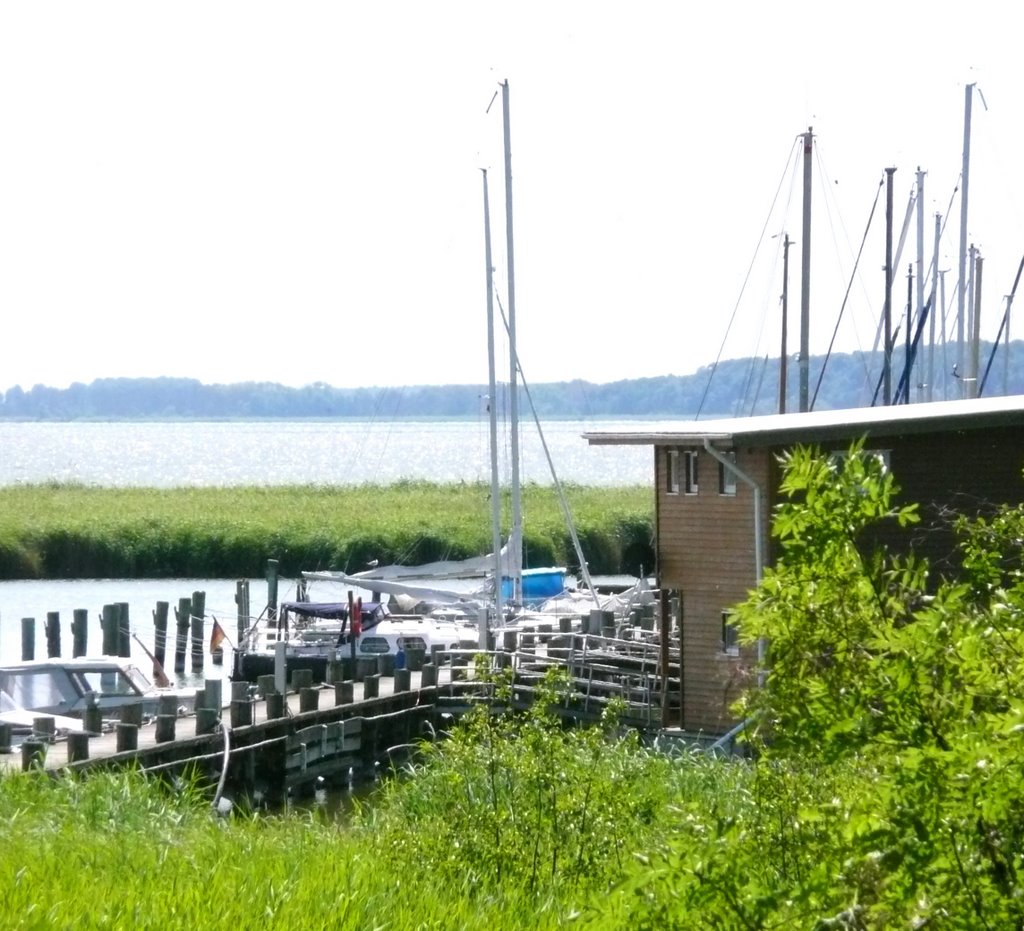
<point>77,531</point>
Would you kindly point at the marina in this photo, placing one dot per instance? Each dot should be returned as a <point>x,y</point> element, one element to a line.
<point>268,740</point>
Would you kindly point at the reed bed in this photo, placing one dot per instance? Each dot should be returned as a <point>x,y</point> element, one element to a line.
<point>78,531</point>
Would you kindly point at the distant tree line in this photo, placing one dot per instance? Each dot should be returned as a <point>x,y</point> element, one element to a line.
<point>734,387</point>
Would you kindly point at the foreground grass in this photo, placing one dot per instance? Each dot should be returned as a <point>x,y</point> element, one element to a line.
<point>78,531</point>
<point>510,823</point>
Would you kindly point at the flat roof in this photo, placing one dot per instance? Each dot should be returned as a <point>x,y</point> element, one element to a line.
<point>815,426</point>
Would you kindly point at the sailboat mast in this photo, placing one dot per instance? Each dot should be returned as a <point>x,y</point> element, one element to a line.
<point>783,360</point>
<point>516,535</point>
<point>492,407</point>
<point>962,281</point>
<point>805,286</point>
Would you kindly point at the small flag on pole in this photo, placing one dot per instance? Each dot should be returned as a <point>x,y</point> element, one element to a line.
<point>217,636</point>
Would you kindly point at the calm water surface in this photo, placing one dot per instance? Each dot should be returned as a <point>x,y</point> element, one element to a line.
<point>284,452</point>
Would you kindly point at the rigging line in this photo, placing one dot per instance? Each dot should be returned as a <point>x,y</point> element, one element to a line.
<point>1002,326</point>
<point>849,286</point>
<point>746,280</point>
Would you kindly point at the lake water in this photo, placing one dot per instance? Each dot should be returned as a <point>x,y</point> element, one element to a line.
<point>170,454</point>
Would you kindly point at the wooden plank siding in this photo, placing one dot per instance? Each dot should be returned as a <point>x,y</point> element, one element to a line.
<point>706,555</point>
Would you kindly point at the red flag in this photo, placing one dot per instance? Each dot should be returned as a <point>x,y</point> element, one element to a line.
<point>217,636</point>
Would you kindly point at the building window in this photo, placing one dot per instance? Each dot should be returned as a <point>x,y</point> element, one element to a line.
<point>730,636</point>
<point>727,476</point>
<point>672,471</point>
<point>690,472</point>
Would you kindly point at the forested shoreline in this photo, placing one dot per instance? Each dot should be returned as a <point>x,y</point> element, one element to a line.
<point>732,387</point>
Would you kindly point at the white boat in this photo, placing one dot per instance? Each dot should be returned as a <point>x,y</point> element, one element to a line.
<point>315,633</point>
<point>69,686</point>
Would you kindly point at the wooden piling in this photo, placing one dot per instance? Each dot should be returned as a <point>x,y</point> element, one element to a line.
<point>5,737</point>
<point>344,692</point>
<point>124,630</point>
<point>198,619</point>
<point>241,712</point>
<point>52,634</point>
<point>132,714</point>
<point>385,665</point>
<point>92,719</point>
<point>33,753</point>
<point>28,638</point>
<point>80,632</point>
<point>414,659</point>
<point>127,736</point>
<point>309,699</point>
<point>167,704</point>
<point>165,725</point>
<point>371,686</point>
<point>206,721</point>
<point>302,679</point>
<point>183,619</point>
<point>242,601</point>
<point>265,686</point>
<point>109,623</point>
<point>365,666</point>
<point>213,689</point>
<point>428,675</point>
<point>402,680</point>
<point>44,728</point>
<point>78,746</point>
<point>160,614</point>
<point>275,705</point>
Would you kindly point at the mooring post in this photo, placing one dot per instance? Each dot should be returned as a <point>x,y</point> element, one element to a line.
<point>198,619</point>
<point>78,746</point>
<point>302,679</point>
<point>28,638</point>
<point>281,666</point>
<point>371,686</point>
<point>80,632</point>
<point>5,737</point>
<point>127,736</point>
<point>52,634</point>
<point>165,725</point>
<point>241,712</point>
<point>124,630</point>
<point>92,718</point>
<point>402,680</point>
<point>275,705</point>
<point>344,692</point>
<point>206,721</point>
<point>309,699</point>
<point>265,685</point>
<point>160,614</point>
<point>428,676</point>
<point>132,714</point>
<point>214,688</point>
<point>33,753</point>
<point>242,601</point>
<point>167,704</point>
<point>44,728</point>
<point>183,618</point>
<point>109,627</point>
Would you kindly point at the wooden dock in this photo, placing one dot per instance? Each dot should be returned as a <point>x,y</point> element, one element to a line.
<point>343,731</point>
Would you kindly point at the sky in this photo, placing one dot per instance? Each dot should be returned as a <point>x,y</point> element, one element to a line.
<point>252,191</point>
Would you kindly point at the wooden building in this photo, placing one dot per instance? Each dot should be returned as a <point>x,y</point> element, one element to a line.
<point>717,484</point>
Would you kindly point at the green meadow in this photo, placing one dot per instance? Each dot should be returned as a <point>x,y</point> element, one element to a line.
<point>78,531</point>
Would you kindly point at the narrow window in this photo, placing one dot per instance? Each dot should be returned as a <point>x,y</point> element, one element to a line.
<point>730,635</point>
<point>672,471</point>
<point>727,476</point>
<point>690,468</point>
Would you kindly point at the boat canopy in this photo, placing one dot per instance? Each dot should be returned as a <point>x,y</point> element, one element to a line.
<point>329,610</point>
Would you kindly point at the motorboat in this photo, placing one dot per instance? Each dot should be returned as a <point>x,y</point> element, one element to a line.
<point>315,633</point>
<point>69,686</point>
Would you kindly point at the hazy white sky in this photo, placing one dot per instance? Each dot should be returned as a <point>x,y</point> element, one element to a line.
<point>291,191</point>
